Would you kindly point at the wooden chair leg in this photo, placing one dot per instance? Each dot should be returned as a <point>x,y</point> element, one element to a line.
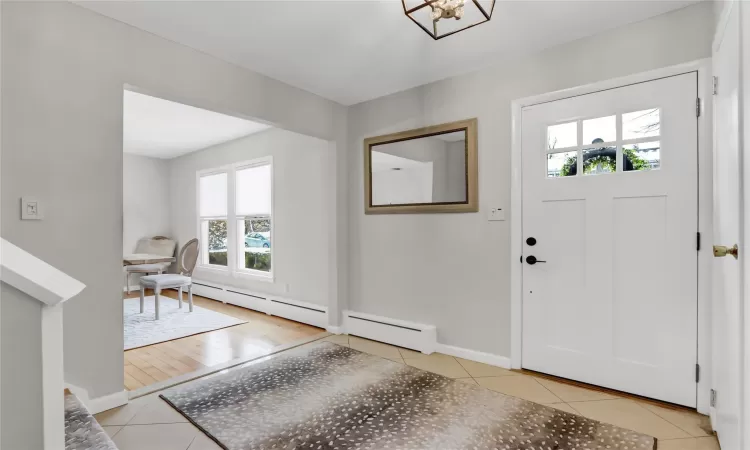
<point>190,297</point>
<point>143,288</point>
<point>179,297</point>
<point>157,291</point>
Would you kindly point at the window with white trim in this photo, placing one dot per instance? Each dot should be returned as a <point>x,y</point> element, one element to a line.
<point>212,198</point>
<point>236,217</point>
<point>253,217</point>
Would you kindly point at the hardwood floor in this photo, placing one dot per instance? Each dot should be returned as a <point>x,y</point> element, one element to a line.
<point>147,365</point>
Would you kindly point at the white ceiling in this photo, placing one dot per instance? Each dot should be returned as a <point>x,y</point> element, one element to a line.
<point>355,50</point>
<point>162,129</point>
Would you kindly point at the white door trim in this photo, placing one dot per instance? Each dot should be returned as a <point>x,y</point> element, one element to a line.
<point>705,211</point>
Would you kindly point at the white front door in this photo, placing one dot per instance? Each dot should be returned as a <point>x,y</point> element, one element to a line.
<point>727,306</point>
<point>610,213</point>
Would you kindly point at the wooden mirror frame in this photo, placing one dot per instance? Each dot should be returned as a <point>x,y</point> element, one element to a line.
<point>472,176</point>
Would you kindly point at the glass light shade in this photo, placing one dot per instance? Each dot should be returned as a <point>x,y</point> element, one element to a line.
<point>441,18</point>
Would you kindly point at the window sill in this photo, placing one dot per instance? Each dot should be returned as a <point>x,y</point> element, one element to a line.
<point>212,268</point>
<point>254,275</point>
<point>250,275</point>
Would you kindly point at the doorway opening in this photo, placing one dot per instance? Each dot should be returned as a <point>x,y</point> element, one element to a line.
<point>213,237</point>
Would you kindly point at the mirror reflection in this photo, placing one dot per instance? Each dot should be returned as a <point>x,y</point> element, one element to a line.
<point>423,170</point>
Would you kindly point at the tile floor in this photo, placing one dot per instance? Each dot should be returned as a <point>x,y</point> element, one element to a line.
<point>148,423</point>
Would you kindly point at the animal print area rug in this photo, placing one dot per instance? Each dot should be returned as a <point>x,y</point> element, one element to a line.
<point>325,396</point>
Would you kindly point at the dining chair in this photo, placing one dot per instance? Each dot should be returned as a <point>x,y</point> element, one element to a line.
<point>187,260</point>
<point>157,245</point>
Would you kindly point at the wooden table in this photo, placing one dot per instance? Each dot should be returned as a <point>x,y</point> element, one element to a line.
<point>145,258</point>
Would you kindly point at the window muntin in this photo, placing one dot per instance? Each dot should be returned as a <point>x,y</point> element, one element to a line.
<point>236,218</point>
<point>625,142</point>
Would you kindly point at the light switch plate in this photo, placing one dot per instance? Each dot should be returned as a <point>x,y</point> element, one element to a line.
<point>495,214</point>
<point>30,209</point>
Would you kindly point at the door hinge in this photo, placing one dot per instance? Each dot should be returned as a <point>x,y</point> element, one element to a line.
<point>713,398</point>
<point>716,85</point>
<point>697,373</point>
<point>698,241</point>
<point>697,107</point>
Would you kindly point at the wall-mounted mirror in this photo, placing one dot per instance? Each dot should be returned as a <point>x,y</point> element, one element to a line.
<point>427,170</point>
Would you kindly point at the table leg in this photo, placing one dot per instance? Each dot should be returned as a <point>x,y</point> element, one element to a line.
<point>142,297</point>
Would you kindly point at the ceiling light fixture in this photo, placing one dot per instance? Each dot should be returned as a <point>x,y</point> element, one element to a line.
<point>441,18</point>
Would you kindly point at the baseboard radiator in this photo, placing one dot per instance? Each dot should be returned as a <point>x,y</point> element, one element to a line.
<point>273,305</point>
<point>410,335</point>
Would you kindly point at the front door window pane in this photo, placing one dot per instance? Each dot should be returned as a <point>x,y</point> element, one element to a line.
<point>563,135</point>
<point>641,124</point>
<point>600,130</point>
<point>599,160</point>
<point>645,156</point>
<point>562,164</point>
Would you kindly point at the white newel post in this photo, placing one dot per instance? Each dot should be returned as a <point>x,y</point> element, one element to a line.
<point>53,377</point>
<point>52,288</point>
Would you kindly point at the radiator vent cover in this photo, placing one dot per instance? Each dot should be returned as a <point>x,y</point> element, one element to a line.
<point>415,336</point>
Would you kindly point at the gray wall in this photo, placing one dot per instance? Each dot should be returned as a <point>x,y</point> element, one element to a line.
<point>63,71</point>
<point>145,199</point>
<point>300,241</point>
<point>452,270</point>
<point>20,370</point>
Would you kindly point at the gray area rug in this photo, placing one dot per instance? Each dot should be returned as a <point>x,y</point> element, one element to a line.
<point>325,396</point>
<point>82,431</point>
<point>143,329</point>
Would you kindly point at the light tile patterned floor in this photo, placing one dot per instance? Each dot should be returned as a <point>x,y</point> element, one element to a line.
<point>148,423</point>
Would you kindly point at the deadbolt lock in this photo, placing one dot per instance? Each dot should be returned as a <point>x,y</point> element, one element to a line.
<point>720,251</point>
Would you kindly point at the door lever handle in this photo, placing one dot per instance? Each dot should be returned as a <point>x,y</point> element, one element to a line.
<point>531,259</point>
<point>720,251</point>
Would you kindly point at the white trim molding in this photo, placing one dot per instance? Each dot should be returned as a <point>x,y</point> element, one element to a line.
<point>335,330</point>
<point>99,404</point>
<point>36,278</point>
<point>705,214</point>
<point>51,287</point>
<point>474,355</point>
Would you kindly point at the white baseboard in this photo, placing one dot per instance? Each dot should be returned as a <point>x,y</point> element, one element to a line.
<point>99,404</point>
<point>410,335</point>
<point>133,288</point>
<point>335,330</point>
<point>288,308</point>
<point>474,355</point>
